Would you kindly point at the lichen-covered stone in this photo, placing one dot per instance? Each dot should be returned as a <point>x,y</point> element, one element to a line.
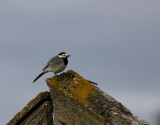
<point>74,86</point>
<point>75,101</point>
<point>78,102</point>
<point>36,112</point>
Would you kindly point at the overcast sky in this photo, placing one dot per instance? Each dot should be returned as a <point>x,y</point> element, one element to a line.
<point>114,43</point>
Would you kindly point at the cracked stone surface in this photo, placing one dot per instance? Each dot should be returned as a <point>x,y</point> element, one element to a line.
<point>78,102</point>
<point>74,101</point>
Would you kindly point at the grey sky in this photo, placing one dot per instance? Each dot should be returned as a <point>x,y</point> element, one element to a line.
<point>114,43</point>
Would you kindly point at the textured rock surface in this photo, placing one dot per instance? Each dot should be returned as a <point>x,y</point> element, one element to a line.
<point>78,102</point>
<point>37,112</point>
<point>75,101</point>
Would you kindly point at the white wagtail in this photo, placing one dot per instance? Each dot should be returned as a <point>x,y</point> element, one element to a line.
<point>56,64</point>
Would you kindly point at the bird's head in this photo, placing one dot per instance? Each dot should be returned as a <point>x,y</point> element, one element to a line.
<point>63,55</point>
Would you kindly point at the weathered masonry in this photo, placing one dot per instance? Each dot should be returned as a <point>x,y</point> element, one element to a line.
<point>74,101</point>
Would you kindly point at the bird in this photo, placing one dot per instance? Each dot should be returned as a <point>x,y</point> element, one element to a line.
<point>56,64</point>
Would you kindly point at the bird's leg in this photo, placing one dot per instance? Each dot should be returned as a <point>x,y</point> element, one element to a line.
<point>56,76</point>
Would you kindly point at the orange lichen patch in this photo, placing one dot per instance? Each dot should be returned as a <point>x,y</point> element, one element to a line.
<point>74,85</point>
<point>30,106</point>
<point>40,96</point>
<point>31,101</point>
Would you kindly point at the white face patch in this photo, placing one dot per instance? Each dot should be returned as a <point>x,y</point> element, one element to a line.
<point>63,56</point>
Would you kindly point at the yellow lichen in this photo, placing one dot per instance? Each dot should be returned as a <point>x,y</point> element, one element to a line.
<point>37,97</point>
<point>78,87</point>
<point>31,101</point>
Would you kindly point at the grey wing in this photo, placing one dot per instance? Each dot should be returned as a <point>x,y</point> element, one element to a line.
<point>53,62</point>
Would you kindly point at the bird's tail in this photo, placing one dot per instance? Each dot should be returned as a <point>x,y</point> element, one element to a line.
<point>39,76</point>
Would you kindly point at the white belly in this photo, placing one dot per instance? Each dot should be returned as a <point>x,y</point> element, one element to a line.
<point>56,69</point>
